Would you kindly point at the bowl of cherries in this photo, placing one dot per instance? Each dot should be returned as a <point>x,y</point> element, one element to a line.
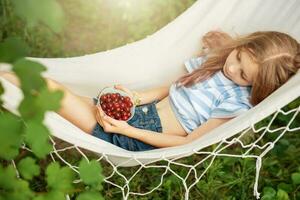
<point>116,103</point>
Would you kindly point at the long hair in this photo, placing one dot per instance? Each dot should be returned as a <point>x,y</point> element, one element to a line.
<point>277,55</point>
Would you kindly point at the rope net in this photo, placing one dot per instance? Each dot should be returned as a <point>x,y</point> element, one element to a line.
<point>252,143</point>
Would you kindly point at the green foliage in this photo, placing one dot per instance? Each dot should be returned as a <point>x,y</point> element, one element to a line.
<point>59,178</point>
<point>91,173</point>
<point>90,196</point>
<point>27,127</point>
<point>36,136</point>
<point>12,49</point>
<point>32,70</point>
<point>296,178</point>
<point>32,14</point>
<point>1,93</point>
<point>282,195</point>
<point>268,193</point>
<point>10,136</point>
<point>12,187</point>
<point>57,195</point>
<point>97,26</point>
<point>28,168</point>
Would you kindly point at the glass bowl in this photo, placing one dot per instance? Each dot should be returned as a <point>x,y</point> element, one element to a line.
<point>112,89</point>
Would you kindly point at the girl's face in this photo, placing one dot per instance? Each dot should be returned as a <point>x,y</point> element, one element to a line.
<point>240,68</point>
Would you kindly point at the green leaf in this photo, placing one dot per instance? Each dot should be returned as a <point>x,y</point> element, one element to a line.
<point>282,195</point>
<point>91,173</point>
<point>49,100</point>
<point>52,195</point>
<point>1,89</point>
<point>296,178</point>
<point>281,148</point>
<point>29,74</point>
<point>269,191</point>
<point>1,93</point>
<point>267,197</point>
<point>12,187</point>
<point>10,135</point>
<point>35,107</point>
<point>12,49</point>
<point>36,135</point>
<point>28,168</point>
<point>88,195</point>
<point>29,109</point>
<point>59,178</point>
<point>48,12</point>
<point>286,187</point>
<point>37,99</point>
<point>7,177</point>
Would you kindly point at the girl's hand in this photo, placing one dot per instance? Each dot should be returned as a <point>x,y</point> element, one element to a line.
<point>134,96</point>
<point>124,89</point>
<point>109,124</point>
<point>215,39</point>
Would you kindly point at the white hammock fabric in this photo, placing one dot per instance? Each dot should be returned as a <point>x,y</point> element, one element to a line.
<point>158,59</point>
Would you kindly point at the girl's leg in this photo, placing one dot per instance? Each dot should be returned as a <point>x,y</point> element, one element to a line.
<point>77,109</point>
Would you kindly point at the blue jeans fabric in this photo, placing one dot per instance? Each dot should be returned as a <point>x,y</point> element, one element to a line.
<point>145,117</point>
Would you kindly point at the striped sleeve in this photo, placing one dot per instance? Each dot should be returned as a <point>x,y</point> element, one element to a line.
<point>231,107</point>
<point>193,63</point>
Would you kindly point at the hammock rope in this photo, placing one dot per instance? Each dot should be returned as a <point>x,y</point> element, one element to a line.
<point>193,171</point>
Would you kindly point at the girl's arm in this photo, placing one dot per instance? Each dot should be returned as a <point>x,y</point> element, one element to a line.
<point>147,96</point>
<point>167,140</point>
<point>151,95</point>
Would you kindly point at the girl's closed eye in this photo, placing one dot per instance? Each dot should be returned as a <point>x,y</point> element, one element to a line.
<point>238,55</point>
<point>243,76</point>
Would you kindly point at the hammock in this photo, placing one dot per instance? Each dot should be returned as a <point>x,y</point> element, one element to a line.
<point>158,59</point>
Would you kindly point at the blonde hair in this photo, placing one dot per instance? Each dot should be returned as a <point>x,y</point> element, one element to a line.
<point>277,55</point>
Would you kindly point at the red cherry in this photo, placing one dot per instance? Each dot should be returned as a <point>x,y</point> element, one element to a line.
<point>113,96</point>
<point>127,109</point>
<point>122,105</point>
<point>116,106</point>
<point>126,99</point>
<point>130,104</point>
<point>108,100</point>
<point>110,114</point>
<point>109,105</point>
<point>124,117</point>
<point>103,106</point>
<point>118,115</point>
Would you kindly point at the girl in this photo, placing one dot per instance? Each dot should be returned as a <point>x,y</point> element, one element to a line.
<point>223,82</point>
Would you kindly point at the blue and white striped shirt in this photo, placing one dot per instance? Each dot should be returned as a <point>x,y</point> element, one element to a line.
<point>216,97</point>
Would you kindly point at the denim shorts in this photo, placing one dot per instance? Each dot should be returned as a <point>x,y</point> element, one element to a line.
<point>145,117</point>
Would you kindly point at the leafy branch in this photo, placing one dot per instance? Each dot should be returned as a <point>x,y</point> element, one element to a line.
<point>17,176</point>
